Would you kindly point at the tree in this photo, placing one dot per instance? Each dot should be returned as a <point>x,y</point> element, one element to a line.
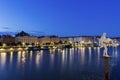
<point>33,44</point>
<point>0,44</point>
<point>19,43</point>
<point>13,44</point>
<point>60,42</point>
<point>27,44</point>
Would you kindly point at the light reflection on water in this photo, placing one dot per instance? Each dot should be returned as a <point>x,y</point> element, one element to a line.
<point>23,57</point>
<point>89,54</point>
<point>37,61</point>
<point>11,57</point>
<point>19,57</point>
<point>3,59</point>
<point>71,56</point>
<point>98,52</point>
<point>82,55</point>
<point>65,61</point>
<point>31,53</point>
<point>115,52</point>
<point>52,55</point>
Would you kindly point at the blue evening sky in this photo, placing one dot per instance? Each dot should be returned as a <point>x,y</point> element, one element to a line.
<point>61,17</point>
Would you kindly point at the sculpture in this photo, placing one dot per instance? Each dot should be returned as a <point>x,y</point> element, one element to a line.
<point>103,43</point>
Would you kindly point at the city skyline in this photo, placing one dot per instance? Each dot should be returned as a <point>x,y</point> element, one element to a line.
<point>23,33</point>
<point>62,18</point>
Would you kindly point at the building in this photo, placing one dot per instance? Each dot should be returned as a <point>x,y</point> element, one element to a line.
<point>7,39</point>
<point>0,38</point>
<point>54,39</point>
<point>43,40</point>
<point>77,39</point>
<point>116,39</point>
<point>27,39</point>
<point>64,39</point>
<point>86,39</point>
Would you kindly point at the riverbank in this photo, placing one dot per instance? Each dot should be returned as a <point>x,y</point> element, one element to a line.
<point>13,49</point>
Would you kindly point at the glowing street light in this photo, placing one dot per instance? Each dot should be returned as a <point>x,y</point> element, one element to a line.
<point>4,45</point>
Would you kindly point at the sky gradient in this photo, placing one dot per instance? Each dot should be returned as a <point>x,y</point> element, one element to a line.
<point>61,17</point>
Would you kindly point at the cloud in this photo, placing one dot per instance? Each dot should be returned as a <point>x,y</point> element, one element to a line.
<point>6,28</point>
<point>37,33</point>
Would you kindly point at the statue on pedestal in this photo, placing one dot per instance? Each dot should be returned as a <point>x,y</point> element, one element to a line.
<point>103,43</point>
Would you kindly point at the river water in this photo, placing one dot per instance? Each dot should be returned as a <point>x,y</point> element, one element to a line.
<point>66,64</point>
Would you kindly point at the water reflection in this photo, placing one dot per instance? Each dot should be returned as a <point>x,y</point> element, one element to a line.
<point>19,57</point>
<point>106,68</point>
<point>23,58</point>
<point>38,58</point>
<point>52,55</point>
<point>71,56</point>
<point>115,53</point>
<point>52,51</point>
<point>95,48</point>
<point>3,59</point>
<point>31,54</point>
<point>82,55</point>
<point>98,52</point>
<point>114,60</point>
<point>63,60</point>
<point>11,57</point>
<point>89,49</point>
<point>76,61</point>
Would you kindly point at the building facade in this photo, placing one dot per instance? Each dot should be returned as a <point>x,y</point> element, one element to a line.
<point>54,39</point>
<point>43,40</point>
<point>86,39</point>
<point>27,39</point>
<point>64,39</point>
<point>7,39</point>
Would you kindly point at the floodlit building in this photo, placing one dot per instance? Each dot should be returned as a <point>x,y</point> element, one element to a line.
<point>43,40</point>
<point>24,38</point>
<point>54,39</point>
<point>27,39</point>
<point>77,39</point>
<point>64,39</point>
<point>83,38</point>
<point>7,39</point>
<point>70,39</point>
